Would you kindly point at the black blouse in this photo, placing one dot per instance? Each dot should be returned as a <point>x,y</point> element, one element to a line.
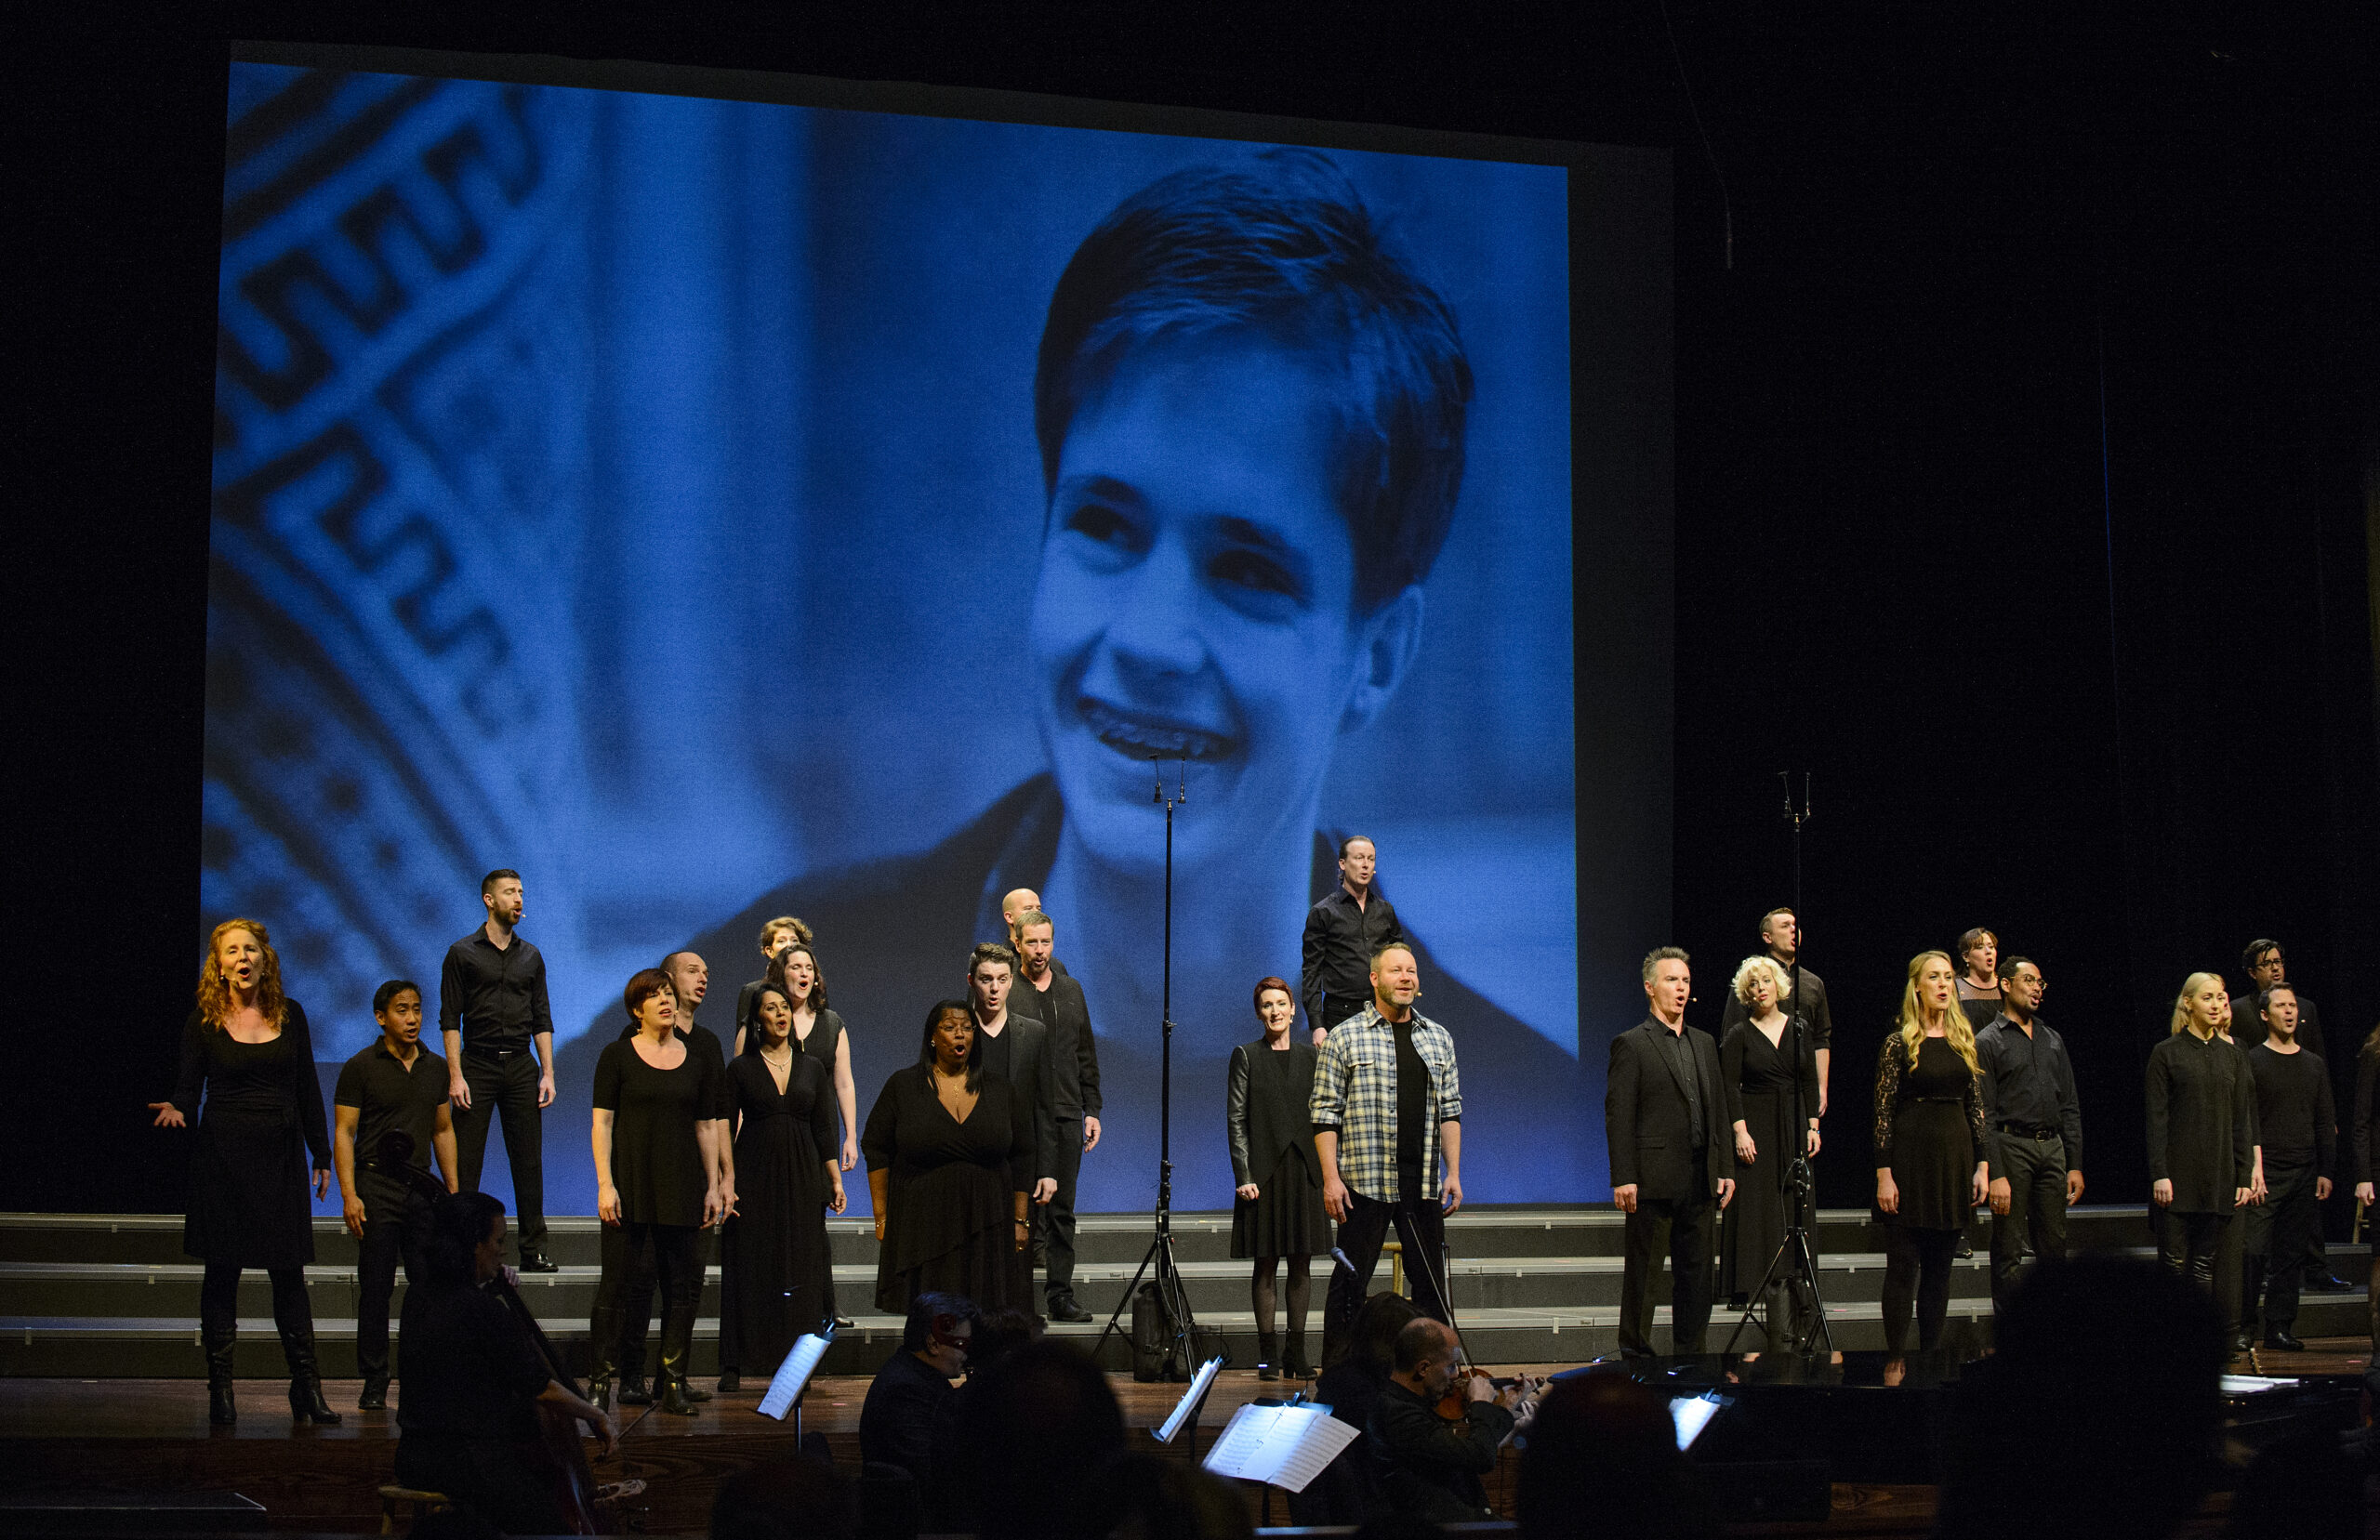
<point>1934,1077</point>
<point>2202,1120</point>
<point>255,1082</point>
<point>656,1159</point>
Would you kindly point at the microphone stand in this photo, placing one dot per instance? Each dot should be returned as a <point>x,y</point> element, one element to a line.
<point>1796,1262</point>
<point>1181,1352</point>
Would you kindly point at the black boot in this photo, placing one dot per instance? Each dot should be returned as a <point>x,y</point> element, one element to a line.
<point>1268,1355</point>
<point>677,1355</point>
<point>306,1404</point>
<point>603,1349</point>
<point>375,1394</point>
<point>221,1409</point>
<point>1294,1362</point>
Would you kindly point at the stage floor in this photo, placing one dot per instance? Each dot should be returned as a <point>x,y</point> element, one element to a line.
<point>152,1435</point>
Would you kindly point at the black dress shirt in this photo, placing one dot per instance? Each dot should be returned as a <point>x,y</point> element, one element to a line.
<point>2295,1120</point>
<point>1340,940</point>
<point>1680,1054</point>
<point>2027,1084</point>
<point>1810,1006</point>
<point>497,999</point>
<point>391,1099</point>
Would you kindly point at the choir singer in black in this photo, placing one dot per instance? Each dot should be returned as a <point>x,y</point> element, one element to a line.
<point>1673,1164</point>
<point>2200,1116</point>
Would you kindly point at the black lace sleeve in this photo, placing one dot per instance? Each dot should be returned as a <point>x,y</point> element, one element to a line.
<point>1974,1110</point>
<point>1888,1071</point>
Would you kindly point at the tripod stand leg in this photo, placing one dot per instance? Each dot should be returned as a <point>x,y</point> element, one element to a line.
<point>1156,1245</point>
<point>1752,1302</point>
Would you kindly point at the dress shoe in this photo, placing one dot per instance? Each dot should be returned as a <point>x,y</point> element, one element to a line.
<point>375,1394</point>
<point>1063,1307</point>
<point>2240,1342</point>
<point>632,1391</point>
<point>2327,1283</point>
<point>2283,1341</point>
<point>1966,1247</point>
<point>730,1382</point>
<point>537,1261</point>
<point>844,1324</point>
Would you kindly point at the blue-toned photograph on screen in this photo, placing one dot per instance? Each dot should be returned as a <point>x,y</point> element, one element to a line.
<point>717,511</point>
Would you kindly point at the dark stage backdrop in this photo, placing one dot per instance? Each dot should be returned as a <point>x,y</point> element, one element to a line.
<point>640,490</point>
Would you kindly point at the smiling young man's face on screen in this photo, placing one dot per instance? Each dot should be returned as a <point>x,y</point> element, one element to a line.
<point>1196,600</point>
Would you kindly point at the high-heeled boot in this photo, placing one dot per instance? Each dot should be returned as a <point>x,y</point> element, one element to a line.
<point>1268,1355</point>
<point>677,1357</point>
<point>306,1404</point>
<point>1293,1359</point>
<point>222,1409</point>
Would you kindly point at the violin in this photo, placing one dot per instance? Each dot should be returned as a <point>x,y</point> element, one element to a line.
<point>558,1453</point>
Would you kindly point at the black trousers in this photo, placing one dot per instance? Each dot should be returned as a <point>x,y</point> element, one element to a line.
<point>1421,1225</point>
<point>1338,1007</point>
<point>638,1262</point>
<point>2187,1244</point>
<point>1053,1222</point>
<point>2278,1230</point>
<point>1679,1228</point>
<point>396,1227</point>
<point>2036,1172</point>
<point>1917,1272</point>
<point>507,1086</point>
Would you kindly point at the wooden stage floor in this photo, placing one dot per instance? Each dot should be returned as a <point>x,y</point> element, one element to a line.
<point>152,1435</point>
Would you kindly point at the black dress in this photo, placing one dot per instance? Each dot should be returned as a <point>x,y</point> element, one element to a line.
<point>1759,1079</point>
<point>1272,1145</point>
<point>1929,1125</point>
<point>952,1226</point>
<point>773,1256</point>
<point>656,1160</point>
<point>825,1033</point>
<point>251,1203</point>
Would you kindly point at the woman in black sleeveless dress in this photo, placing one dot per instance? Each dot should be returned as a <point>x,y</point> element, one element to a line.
<point>1760,1064</point>
<point>656,1163</point>
<point>1930,1173</point>
<point>818,1030</point>
<point>773,1263</point>
<point>247,1046</point>
<point>949,1170</point>
<point>1278,1213</point>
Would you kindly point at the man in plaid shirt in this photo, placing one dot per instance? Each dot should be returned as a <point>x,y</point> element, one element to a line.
<point>1386,1103</point>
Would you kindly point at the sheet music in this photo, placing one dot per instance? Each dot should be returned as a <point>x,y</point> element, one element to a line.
<point>1190,1399</point>
<point>795,1372</point>
<point>1284,1446</point>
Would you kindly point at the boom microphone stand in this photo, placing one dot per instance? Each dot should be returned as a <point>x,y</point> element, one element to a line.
<point>1796,1262</point>
<point>1182,1350</point>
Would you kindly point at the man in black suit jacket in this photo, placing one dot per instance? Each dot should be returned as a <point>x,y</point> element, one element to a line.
<point>1016,1045</point>
<point>1672,1154</point>
<point>1045,989</point>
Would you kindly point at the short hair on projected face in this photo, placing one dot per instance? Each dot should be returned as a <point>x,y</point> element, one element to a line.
<point>1280,250</point>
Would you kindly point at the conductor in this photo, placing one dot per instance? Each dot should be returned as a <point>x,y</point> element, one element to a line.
<point>1665,1118</point>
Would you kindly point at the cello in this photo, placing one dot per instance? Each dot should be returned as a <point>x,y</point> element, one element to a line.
<point>559,1454</point>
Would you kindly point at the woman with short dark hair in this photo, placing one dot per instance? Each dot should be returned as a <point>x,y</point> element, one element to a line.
<point>949,1169</point>
<point>656,1164</point>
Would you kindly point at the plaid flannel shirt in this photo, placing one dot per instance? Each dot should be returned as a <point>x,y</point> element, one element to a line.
<point>1355,1091</point>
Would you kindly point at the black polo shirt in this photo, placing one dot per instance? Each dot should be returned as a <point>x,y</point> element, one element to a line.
<point>389,1098</point>
<point>497,999</point>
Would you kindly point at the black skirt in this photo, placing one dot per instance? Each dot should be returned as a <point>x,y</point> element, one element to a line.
<point>1286,1217</point>
<point>250,1205</point>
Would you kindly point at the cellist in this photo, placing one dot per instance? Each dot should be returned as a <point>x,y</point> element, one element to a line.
<point>477,1389</point>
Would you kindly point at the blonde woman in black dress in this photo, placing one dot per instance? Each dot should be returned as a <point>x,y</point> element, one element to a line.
<point>247,1046</point>
<point>1279,1212</point>
<point>1930,1171</point>
<point>1761,1060</point>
